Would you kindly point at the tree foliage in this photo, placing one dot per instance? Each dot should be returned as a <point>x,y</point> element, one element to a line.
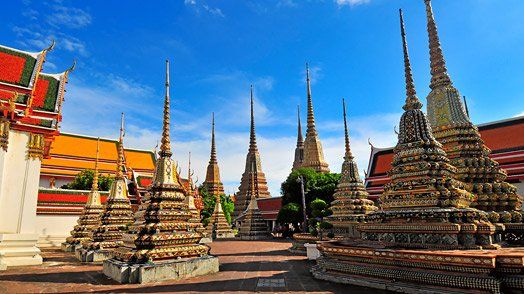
<point>228,206</point>
<point>319,210</point>
<point>316,185</point>
<point>290,214</point>
<point>84,181</point>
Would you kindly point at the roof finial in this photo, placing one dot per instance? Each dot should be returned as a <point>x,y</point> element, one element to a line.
<point>439,72</point>
<point>310,114</point>
<point>412,101</point>
<point>51,47</point>
<point>466,105</point>
<point>348,154</point>
<point>165,147</point>
<point>73,66</point>
<point>94,186</point>
<point>252,135</point>
<point>120,158</point>
<point>300,139</point>
<point>213,158</point>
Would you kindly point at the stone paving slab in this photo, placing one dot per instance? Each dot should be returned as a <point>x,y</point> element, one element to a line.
<point>245,267</point>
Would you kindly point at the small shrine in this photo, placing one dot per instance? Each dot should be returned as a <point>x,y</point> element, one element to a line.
<point>252,225</point>
<point>165,245</point>
<point>115,219</point>
<point>91,215</point>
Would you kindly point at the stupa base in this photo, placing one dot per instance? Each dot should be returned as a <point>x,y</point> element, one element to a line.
<point>253,237</point>
<point>84,255</point>
<point>421,271</point>
<point>19,250</point>
<point>68,247</point>
<point>133,273</point>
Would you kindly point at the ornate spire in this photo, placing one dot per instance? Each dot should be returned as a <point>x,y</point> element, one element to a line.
<point>189,176</point>
<point>94,186</point>
<point>439,72</point>
<point>120,159</point>
<point>165,147</point>
<point>213,157</point>
<point>252,135</point>
<point>300,139</point>
<point>348,154</point>
<point>465,105</point>
<point>253,190</point>
<point>310,113</point>
<point>412,101</point>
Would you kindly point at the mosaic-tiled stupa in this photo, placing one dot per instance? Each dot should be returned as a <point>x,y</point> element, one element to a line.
<point>165,246</point>
<point>115,219</point>
<point>425,239</point>
<point>461,140</point>
<point>253,226</point>
<point>90,216</point>
<point>351,203</point>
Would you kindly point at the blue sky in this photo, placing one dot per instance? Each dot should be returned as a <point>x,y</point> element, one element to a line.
<point>218,48</point>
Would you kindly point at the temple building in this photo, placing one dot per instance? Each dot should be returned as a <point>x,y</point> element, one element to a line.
<point>91,215</point>
<point>115,219</point>
<point>351,202</point>
<point>253,226</point>
<point>253,157</point>
<point>218,227</point>
<point>299,149</point>
<point>313,154</point>
<point>461,139</point>
<point>165,246</point>
<point>212,183</point>
<point>30,115</point>
<point>58,209</point>
<point>426,237</point>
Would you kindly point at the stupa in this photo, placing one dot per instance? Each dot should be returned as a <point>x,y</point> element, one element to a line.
<point>166,245</point>
<point>313,154</point>
<point>115,219</point>
<point>212,183</point>
<point>425,239</point>
<point>253,226</point>
<point>351,203</point>
<point>461,140</point>
<point>90,217</point>
<point>299,149</point>
<point>252,157</point>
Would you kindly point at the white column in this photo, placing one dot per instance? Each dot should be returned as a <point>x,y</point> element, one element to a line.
<point>19,178</point>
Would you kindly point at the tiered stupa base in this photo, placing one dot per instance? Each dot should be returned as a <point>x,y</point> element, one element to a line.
<point>96,256</point>
<point>126,273</point>
<point>253,227</point>
<point>218,227</point>
<point>372,265</point>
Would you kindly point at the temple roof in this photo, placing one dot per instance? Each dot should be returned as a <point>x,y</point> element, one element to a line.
<point>20,68</point>
<point>71,153</point>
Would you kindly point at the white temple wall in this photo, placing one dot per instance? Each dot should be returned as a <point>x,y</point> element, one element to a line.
<point>19,179</point>
<point>54,229</point>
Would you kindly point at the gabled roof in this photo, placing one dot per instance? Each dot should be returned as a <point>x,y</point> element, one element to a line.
<point>20,68</point>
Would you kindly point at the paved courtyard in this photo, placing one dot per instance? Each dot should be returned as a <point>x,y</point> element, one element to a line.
<point>263,266</point>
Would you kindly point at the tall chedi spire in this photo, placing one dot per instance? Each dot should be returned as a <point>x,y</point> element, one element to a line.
<point>299,150</point>
<point>117,214</point>
<point>313,154</point>
<point>90,217</point>
<point>253,157</point>
<point>253,225</point>
<point>212,183</point>
<point>351,202</point>
<point>218,227</point>
<point>462,142</point>
<point>424,206</point>
<point>166,234</point>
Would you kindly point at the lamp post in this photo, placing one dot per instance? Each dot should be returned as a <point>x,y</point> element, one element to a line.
<point>301,181</point>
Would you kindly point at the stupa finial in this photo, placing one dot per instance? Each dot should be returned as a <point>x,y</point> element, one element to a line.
<point>439,72</point>
<point>412,101</point>
<point>310,113</point>
<point>120,159</point>
<point>213,157</point>
<point>252,135</point>
<point>94,186</point>
<point>165,147</point>
<point>300,139</point>
<point>348,154</point>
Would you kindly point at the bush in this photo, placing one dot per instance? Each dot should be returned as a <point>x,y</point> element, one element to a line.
<point>228,206</point>
<point>84,181</point>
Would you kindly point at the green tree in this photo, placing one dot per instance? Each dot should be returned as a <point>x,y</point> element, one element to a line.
<point>316,185</point>
<point>290,214</point>
<point>84,181</point>
<point>228,206</point>
<point>319,210</point>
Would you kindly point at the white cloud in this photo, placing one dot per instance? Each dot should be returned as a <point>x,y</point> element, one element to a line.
<point>202,6</point>
<point>351,2</point>
<point>69,17</point>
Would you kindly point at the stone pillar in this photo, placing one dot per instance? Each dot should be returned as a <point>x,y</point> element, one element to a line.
<point>19,178</point>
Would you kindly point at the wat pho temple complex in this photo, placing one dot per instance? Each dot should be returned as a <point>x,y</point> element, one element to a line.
<point>439,212</point>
